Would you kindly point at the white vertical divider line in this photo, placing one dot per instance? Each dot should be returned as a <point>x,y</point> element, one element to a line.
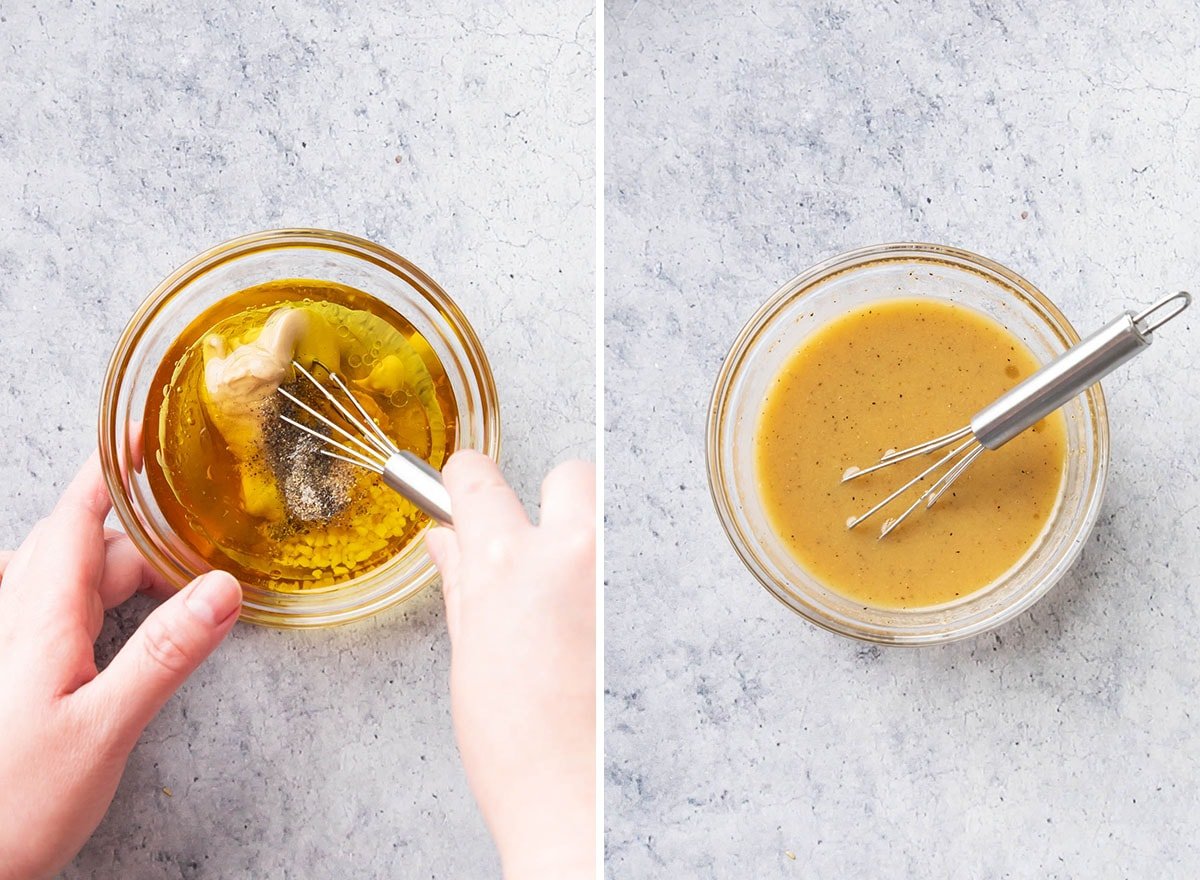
<point>599,332</point>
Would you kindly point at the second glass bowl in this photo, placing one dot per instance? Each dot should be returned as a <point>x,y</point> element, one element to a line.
<point>220,272</point>
<point>811,300</point>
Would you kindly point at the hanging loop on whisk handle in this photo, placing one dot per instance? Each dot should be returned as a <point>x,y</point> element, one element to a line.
<point>1074,371</point>
<point>421,484</point>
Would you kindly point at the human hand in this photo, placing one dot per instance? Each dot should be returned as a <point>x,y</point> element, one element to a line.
<point>66,730</point>
<point>521,610</point>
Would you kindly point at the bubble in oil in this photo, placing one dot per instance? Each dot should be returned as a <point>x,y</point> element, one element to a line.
<point>354,360</point>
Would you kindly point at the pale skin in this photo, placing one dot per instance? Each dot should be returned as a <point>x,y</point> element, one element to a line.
<point>521,614</point>
<point>520,606</point>
<point>66,731</point>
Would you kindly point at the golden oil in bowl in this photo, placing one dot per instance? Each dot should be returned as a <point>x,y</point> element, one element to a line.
<point>249,492</point>
<point>174,485</point>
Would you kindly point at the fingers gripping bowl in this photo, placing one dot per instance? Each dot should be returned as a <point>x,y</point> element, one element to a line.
<point>369,283</point>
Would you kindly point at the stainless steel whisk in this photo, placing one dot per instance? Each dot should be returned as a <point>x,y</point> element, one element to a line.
<point>372,449</point>
<point>1071,373</point>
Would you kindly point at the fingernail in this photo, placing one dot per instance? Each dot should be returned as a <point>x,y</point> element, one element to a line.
<point>214,597</point>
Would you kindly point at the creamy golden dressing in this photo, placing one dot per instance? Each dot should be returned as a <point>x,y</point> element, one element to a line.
<point>890,375</point>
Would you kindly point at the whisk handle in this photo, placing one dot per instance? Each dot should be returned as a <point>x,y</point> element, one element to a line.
<point>1072,372</point>
<point>421,484</point>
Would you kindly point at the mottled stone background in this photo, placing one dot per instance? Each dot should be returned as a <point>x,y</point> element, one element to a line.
<point>134,135</point>
<point>1059,138</point>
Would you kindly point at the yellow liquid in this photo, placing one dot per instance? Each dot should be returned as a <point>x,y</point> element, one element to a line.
<point>887,376</point>
<point>314,539</point>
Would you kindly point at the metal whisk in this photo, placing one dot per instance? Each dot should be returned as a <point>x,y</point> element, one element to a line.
<point>373,449</point>
<point>1046,390</point>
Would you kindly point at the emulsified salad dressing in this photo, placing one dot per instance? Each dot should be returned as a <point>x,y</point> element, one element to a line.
<point>887,376</point>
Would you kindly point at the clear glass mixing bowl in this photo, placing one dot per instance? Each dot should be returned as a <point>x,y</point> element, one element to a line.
<point>234,266</point>
<point>778,328</point>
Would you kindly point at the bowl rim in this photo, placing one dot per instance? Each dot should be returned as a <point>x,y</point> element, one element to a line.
<point>471,351</point>
<point>799,286</point>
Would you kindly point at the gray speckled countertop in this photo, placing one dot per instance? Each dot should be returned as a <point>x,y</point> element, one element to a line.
<point>1058,138</point>
<point>134,135</point>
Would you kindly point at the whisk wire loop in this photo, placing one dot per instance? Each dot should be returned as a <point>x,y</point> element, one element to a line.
<point>370,430</point>
<point>370,427</point>
<point>1177,301</point>
<point>894,456</point>
<point>854,521</point>
<point>1018,409</point>
<point>404,472</point>
<point>354,456</point>
<point>371,453</point>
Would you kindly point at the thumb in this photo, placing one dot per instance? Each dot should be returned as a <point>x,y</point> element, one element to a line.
<point>168,647</point>
<point>442,544</point>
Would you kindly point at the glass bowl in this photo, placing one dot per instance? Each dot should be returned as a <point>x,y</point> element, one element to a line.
<point>224,270</point>
<point>811,300</point>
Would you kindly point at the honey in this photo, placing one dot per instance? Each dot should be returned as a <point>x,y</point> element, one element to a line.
<point>887,376</point>
<point>253,495</point>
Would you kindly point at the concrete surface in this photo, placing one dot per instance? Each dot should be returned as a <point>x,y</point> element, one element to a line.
<point>742,147</point>
<point>133,136</point>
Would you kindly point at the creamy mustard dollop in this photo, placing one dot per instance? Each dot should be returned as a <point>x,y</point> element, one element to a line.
<point>240,382</point>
